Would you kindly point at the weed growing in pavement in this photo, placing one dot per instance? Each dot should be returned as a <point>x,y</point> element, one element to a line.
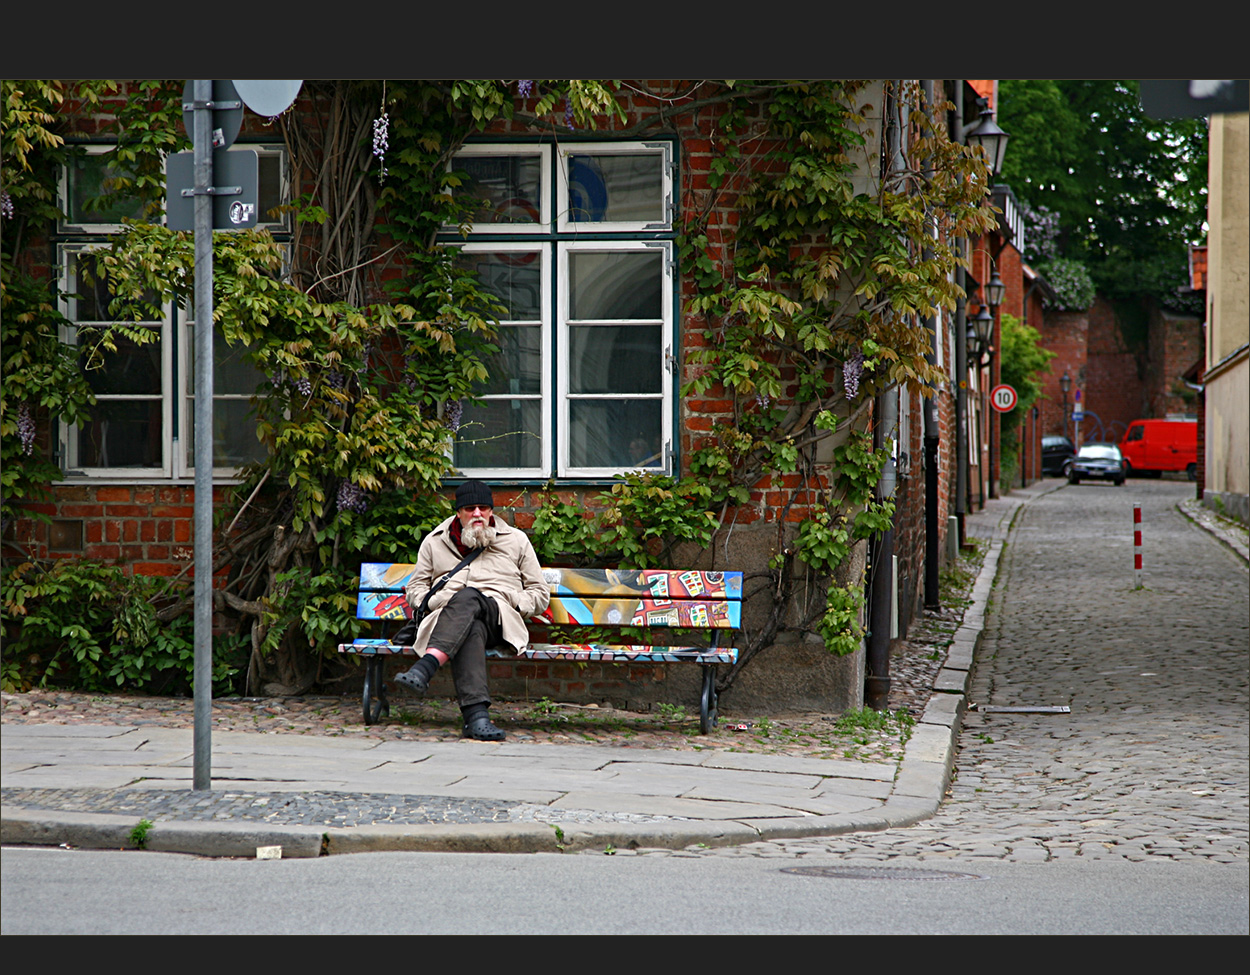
<point>671,712</point>
<point>863,724</point>
<point>544,707</point>
<point>139,835</point>
<point>559,836</point>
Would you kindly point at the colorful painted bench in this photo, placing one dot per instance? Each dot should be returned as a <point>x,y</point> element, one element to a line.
<point>709,603</point>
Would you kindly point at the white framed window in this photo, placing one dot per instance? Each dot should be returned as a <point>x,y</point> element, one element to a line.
<point>234,425</point>
<point>508,185</point>
<point>506,433</point>
<point>614,350</point>
<point>576,242</point>
<point>85,182</point>
<point>615,187</point>
<point>129,429</point>
<point>143,423</point>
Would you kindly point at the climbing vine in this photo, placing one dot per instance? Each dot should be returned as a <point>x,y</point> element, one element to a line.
<point>366,334</point>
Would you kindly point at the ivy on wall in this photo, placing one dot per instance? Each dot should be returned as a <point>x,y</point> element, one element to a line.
<point>807,304</point>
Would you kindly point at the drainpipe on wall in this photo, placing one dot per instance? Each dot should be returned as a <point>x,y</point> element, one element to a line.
<point>877,666</point>
<point>960,376</point>
<point>932,484</point>
<point>885,428</point>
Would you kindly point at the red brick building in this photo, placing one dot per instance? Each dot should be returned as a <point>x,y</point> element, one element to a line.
<point>127,495</point>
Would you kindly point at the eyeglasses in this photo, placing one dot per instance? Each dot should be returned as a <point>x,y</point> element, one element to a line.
<point>478,507</point>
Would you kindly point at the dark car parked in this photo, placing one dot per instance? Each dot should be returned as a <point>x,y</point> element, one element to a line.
<point>1097,462</point>
<point>1056,452</point>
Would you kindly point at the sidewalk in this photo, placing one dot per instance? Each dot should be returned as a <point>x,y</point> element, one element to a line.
<point>282,790</point>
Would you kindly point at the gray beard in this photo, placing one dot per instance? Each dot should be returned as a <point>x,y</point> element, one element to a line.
<point>475,537</point>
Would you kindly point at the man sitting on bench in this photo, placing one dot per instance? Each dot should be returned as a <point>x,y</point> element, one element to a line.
<point>494,583</point>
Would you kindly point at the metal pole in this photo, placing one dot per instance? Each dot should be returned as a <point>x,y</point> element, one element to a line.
<point>993,424</point>
<point>203,514</point>
<point>961,357</point>
<point>932,433</point>
<point>1137,544</point>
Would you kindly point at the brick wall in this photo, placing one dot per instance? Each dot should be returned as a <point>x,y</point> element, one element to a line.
<point>148,529</point>
<point>1064,333</point>
<point>1176,343</point>
<point>1116,387</point>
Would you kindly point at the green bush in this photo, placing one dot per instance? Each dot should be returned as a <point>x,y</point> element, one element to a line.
<point>89,626</point>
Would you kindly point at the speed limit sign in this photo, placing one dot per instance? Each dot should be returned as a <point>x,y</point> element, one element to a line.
<point>1003,398</point>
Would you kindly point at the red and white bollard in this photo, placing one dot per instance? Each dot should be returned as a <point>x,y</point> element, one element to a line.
<point>1137,543</point>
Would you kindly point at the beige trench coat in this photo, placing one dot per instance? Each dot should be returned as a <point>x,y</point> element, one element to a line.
<point>508,571</point>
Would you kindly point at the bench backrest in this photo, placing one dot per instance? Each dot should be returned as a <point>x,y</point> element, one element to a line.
<point>687,598</point>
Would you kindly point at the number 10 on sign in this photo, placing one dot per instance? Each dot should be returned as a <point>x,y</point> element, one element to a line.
<point>1003,398</point>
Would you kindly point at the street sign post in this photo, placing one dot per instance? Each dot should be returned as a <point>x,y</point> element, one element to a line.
<point>1003,398</point>
<point>212,112</point>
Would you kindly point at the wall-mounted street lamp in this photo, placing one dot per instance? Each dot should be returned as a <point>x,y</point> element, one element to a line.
<point>991,139</point>
<point>981,334</point>
<point>995,291</point>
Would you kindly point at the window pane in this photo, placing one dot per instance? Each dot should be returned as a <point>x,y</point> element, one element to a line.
<point>615,434</point>
<point>615,359</point>
<point>90,177</point>
<point>133,369</point>
<point>269,185</point>
<point>122,433</point>
<point>508,188</point>
<point>234,433</point>
<point>500,433</point>
<point>232,372</point>
<point>91,295</point>
<point>514,277</point>
<point>517,368</point>
<point>615,284</point>
<point>616,187</point>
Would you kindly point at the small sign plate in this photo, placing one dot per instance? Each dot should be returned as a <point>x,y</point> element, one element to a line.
<point>230,212</point>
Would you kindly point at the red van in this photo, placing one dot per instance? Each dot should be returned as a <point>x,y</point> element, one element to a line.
<point>1151,447</point>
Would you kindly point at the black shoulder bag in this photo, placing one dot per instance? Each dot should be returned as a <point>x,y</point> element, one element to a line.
<point>407,634</point>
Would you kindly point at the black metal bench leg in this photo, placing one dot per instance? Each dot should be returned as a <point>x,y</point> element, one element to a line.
<point>374,696</point>
<point>707,699</point>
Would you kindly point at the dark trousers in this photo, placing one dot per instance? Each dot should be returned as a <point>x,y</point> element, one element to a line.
<point>467,625</point>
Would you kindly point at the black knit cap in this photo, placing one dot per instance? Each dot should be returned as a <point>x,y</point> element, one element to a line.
<point>473,492</point>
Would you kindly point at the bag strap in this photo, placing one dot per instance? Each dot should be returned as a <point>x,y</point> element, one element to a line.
<point>425,603</point>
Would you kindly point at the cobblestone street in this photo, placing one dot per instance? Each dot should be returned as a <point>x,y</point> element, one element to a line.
<point>1151,763</point>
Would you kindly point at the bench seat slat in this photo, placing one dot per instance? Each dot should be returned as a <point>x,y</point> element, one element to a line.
<point>591,611</point>
<point>591,652</point>
<point>656,583</point>
<point>628,654</point>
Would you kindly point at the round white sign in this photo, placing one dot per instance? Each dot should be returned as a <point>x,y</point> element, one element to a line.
<point>268,98</point>
<point>1003,398</point>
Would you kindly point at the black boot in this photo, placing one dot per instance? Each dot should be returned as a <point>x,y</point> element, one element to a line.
<point>478,726</point>
<point>417,677</point>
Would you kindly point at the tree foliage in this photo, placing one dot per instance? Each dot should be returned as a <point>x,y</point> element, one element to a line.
<point>1129,191</point>
<point>1024,362</point>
